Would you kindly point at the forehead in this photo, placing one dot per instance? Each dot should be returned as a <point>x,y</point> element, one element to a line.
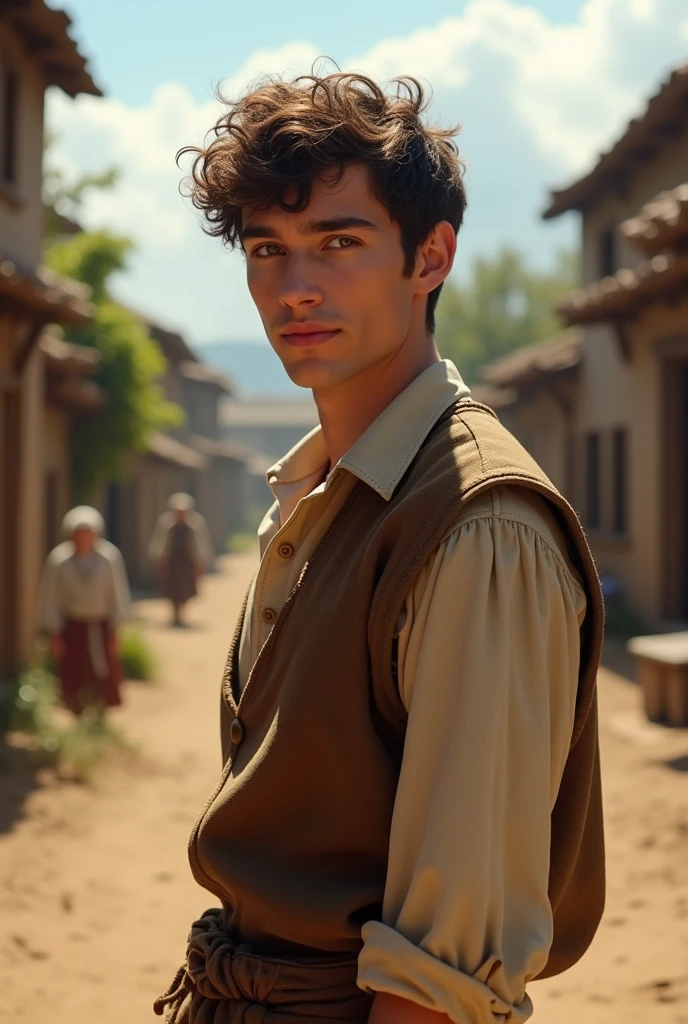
<point>331,197</point>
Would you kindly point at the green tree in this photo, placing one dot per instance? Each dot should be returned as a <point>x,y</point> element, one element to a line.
<point>505,305</point>
<point>131,361</point>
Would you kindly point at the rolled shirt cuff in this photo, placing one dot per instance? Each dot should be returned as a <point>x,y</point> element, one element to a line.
<point>390,963</point>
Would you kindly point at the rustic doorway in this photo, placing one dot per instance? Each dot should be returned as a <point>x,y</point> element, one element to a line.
<point>675,597</point>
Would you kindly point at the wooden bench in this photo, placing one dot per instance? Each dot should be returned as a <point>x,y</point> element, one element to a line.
<point>663,674</point>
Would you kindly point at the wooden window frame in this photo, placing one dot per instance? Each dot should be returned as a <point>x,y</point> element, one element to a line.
<point>619,480</point>
<point>592,452</point>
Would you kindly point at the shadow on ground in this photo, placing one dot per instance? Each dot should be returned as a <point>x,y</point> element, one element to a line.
<point>18,779</point>
<point>678,764</point>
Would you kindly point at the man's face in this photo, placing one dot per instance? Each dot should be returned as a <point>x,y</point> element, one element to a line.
<point>329,282</point>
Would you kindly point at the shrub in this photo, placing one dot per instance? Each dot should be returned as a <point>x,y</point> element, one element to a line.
<point>82,746</point>
<point>34,702</point>
<point>75,749</point>
<point>136,655</point>
<point>241,542</point>
<point>622,619</point>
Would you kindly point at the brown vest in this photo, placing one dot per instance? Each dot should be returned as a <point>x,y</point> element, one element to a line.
<point>294,842</point>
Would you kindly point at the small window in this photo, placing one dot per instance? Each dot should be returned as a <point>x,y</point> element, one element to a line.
<point>10,124</point>
<point>608,258</point>
<point>592,482</point>
<point>619,477</point>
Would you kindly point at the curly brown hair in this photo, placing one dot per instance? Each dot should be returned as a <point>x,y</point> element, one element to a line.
<point>279,137</point>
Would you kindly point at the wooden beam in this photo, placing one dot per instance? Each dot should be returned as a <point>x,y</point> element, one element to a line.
<point>620,328</point>
<point>22,356</point>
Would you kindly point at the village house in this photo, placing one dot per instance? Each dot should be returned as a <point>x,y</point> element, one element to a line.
<point>44,383</point>
<point>193,457</point>
<point>267,427</point>
<point>604,406</point>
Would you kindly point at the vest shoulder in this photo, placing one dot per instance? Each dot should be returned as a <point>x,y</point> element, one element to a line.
<point>469,450</point>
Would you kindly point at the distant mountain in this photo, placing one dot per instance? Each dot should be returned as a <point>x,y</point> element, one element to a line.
<point>252,365</point>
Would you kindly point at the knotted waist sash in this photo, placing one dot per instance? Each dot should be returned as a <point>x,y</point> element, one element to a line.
<point>226,983</point>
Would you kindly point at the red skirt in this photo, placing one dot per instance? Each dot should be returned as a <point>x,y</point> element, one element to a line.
<point>85,684</point>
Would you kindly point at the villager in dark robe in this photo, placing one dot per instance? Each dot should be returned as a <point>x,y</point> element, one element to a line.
<point>181,550</point>
<point>84,597</point>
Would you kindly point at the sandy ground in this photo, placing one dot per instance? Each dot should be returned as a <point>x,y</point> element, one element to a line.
<point>96,896</point>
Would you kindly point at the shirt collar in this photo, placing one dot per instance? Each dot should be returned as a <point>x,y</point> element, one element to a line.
<point>384,452</point>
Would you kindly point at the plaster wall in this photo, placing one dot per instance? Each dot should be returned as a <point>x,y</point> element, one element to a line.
<point>21,216</point>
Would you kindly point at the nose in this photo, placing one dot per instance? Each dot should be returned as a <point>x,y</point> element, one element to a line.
<point>299,289</point>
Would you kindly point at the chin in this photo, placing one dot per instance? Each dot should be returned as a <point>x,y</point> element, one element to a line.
<point>316,373</point>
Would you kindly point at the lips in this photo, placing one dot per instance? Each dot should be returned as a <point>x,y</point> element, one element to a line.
<point>308,335</point>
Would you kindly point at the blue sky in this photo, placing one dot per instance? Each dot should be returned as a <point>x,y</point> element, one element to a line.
<point>197,43</point>
<point>540,87</point>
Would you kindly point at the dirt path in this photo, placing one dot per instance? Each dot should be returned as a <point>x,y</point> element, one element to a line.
<point>96,895</point>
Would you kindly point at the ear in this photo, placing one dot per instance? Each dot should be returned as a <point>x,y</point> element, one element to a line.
<point>435,257</point>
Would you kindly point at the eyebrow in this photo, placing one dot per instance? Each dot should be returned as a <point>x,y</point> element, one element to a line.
<point>311,227</point>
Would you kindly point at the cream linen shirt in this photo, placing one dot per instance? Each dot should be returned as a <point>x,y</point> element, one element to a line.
<point>90,588</point>
<point>488,657</point>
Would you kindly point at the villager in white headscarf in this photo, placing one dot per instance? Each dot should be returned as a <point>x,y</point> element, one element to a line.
<point>84,597</point>
<point>181,550</point>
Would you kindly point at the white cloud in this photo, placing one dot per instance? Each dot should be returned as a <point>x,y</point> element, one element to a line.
<point>538,101</point>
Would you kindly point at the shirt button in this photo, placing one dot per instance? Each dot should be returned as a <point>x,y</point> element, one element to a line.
<point>269,615</point>
<point>236,731</point>
<point>285,550</point>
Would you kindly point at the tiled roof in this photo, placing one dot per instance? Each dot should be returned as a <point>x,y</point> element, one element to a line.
<point>661,277</point>
<point>65,358</point>
<point>205,374</point>
<point>69,371</point>
<point>173,345</point>
<point>45,35</point>
<point>561,354</point>
<point>167,448</point>
<point>496,398</point>
<point>661,224</point>
<point>665,114</point>
<point>58,299</point>
<point>221,449</point>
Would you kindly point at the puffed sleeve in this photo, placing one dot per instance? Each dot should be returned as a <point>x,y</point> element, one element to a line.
<point>488,672</point>
<point>121,595</point>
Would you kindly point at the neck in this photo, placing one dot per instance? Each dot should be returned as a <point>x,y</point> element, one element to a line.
<point>347,410</point>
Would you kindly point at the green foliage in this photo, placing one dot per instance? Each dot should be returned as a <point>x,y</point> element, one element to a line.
<point>504,306</point>
<point>241,542</point>
<point>34,702</point>
<point>89,256</point>
<point>82,747</point>
<point>136,655</point>
<point>74,750</point>
<point>623,620</point>
<point>65,198</point>
<point>130,366</point>
<point>131,362</point>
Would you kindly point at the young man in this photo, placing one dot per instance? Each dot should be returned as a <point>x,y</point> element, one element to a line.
<point>181,550</point>
<point>408,824</point>
<point>83,600</point>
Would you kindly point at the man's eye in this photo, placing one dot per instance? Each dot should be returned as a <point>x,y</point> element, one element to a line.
<point>268,249</point>
<point>342,242</point>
